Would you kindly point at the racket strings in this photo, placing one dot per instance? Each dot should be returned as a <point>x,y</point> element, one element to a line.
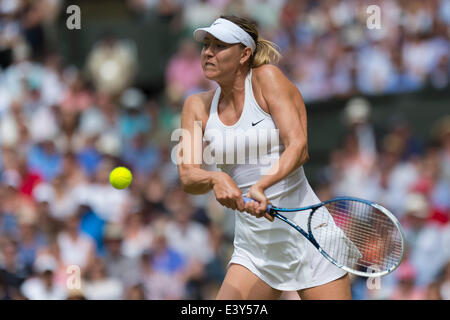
<point>371,242</point>
<point>357,235</point>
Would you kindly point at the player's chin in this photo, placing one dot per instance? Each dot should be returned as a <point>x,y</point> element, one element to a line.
<point>210,74</point>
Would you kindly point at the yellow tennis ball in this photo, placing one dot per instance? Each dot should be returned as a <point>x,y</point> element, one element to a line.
<point>120,178</point>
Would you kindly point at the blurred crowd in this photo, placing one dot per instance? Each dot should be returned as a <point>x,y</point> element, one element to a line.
<point>332,48</point>
<point>65,233</point>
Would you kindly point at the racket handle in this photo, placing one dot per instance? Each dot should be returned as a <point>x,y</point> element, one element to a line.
<point>246,199</point>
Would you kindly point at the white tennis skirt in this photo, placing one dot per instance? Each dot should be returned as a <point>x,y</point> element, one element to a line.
<point>277,253</point>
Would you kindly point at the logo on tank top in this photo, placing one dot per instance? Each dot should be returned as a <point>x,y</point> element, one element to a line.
<point>255,123</point>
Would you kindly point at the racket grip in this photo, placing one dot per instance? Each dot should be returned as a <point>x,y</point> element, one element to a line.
<point>246,199</point>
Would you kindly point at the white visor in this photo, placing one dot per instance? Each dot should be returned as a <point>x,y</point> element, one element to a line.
<point>226,31</point>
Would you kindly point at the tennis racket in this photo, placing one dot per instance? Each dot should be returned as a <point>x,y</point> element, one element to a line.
<point>357,235</point>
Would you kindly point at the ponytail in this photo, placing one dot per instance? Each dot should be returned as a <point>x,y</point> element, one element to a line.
<point>266,52</point>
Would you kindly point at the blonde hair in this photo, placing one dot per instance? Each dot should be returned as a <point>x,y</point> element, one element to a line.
<point>266,51</point>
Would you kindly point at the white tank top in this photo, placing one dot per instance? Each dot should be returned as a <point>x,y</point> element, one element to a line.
<point>247,149</point>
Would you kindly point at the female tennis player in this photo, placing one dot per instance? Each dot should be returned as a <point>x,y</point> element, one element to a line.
<point>253,95</point>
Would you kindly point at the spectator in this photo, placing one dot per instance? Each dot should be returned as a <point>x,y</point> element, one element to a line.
<point>154,193</point>
<point>445,240</point>
<point>137,236</point>
<point>433,292</point>
<point>186,236</point>
<point>393,178</point>
<point>142,156</point>
<point>159,285</point>
<point>112,64</point>
<point>46,160</point>
<point>444,285</point>
<point>165,258</point>
<point>184,71</point>
<point>77,98</point>
<point>30,239</point>
<point>108,203</point>
<point>42,286</point>
<point>92,225</point>
<point>3,291</point>
<point>133,120</point>
<point>135,292</point>
<point>201,12</point>
<point>14,205</point>
<point>99,286</point>
<point>50,256</point>
<point>358,122</point>
<point>351,169</point>
<point>75,247</point>
<point>76,294</point>
<point>12,271</point>
<point>406,288</point>
<point>424,238</point>
<point>59,195</point>
<point>118,265</point>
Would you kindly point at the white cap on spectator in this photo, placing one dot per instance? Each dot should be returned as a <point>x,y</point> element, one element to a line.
<point>92,123</point>
<point>417,205</point>
<point>132,98</point>
<point>226,31</point>
<point>109,144</point>
<point>5,98</point>
<point>9,6</point>
<point>43,125</point>
<point>357,110</point>
<point>11,178</point>
<point>113,231</point>
<point>43,192</point>
<point>45,263</point>
<point>9,134</point>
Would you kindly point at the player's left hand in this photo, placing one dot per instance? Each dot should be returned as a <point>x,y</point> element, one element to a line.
<point>258,208</point>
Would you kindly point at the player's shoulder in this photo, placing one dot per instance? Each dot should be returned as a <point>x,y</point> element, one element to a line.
<point>199,103</point>
<point>270,79</point>
<point>268,71</point>
<point>270,76</point>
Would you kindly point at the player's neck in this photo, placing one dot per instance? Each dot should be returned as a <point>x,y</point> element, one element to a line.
<point>231,92</point>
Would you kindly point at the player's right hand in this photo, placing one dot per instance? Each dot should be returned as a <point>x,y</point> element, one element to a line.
<point>227,192</point>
